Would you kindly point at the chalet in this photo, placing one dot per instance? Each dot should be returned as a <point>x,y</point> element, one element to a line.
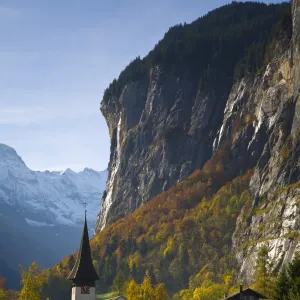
<point>246,294</point>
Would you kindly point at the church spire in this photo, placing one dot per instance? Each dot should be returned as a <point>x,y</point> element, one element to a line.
<point>84,273</point>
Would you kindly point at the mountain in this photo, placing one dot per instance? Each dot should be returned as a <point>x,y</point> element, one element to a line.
<point>42,212</point>
<point>166,113</point>
<point>227,83</point>
<point>205,141</point>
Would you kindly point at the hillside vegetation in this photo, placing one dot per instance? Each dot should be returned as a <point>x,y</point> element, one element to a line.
<point>180,238</point>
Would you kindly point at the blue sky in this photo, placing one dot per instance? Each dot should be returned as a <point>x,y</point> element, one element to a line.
<point>56,59</point>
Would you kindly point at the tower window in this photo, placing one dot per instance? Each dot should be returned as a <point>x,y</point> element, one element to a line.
<point>85,289</point>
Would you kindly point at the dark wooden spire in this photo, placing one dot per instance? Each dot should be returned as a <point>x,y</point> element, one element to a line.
<point>84,272</point>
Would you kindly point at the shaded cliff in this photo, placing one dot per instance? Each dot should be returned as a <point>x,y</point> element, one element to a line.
<point>165,111</point>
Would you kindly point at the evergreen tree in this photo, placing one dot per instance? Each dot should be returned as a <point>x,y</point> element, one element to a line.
<point>282,285</point>
<point>119,283</point>
<point>263,273</point>
<point>288,283</point>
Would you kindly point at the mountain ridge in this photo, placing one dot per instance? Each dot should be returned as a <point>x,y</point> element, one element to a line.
<point>41,213</point>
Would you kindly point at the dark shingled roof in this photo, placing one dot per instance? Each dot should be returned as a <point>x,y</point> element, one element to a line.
<point>84,271</point>
<point>245,291</point>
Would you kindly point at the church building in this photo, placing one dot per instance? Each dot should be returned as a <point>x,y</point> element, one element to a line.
<point>84,275</point>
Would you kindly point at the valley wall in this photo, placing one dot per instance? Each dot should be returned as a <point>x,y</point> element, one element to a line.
<point>162,129</point>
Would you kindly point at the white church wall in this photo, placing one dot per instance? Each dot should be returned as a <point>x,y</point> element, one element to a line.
<point>76,294</point>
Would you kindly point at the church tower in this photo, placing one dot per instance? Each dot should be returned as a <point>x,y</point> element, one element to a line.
<point>84,274</point>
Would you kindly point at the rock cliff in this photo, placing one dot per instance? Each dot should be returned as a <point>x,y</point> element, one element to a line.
<point>273,217</point>
<point>162,129</point>
<point>164,125</point>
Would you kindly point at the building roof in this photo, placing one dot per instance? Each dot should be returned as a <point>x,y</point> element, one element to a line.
<point>243,291</point>
<point>83,271</point>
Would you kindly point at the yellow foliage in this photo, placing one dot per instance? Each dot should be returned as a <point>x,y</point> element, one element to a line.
<point>146,291</point>
<point>133,291</point>
<point>3,295</point>
<point>32,281</point>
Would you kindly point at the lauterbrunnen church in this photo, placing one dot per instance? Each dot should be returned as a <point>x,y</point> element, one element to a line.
<point>83,274</point>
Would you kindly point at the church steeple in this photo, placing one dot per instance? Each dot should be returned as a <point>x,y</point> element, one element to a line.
<point>83,273</point>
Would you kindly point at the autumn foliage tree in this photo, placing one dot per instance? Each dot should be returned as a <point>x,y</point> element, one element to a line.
<point>32,281</point>
<point>3,294</point>
<point>146,290</point>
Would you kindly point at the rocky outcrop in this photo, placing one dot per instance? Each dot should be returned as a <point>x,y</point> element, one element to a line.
<point>159,134</point>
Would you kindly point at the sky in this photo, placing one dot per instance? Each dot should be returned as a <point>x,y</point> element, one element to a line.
<point>56,59</point>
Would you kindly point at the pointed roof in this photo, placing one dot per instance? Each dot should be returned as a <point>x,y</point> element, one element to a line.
<point>243,291</point>
<point>83,271</point>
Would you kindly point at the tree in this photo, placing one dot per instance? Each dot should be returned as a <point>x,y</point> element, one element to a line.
<point>3,295</point>
<point>288,283</point>
<point>3,289</point>
<point>282,285</point>
<point>263,274</point>
<point>32,280</point>
<point>160,292</point>
<point>146,288</point>
<point>133,291</point>
<point>119,283</point>
<point>71,262</point>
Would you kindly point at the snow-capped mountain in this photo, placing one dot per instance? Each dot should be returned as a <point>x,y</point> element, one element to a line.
<point>42,213</point>
<point>49,198</point>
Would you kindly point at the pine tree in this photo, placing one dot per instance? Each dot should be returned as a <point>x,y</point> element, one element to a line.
<point>119,283</point>
<point>282,285</point>
<point>294,278</point>
<point>264,278</point>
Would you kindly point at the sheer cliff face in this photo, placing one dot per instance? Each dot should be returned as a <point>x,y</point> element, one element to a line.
<point>296,40</point>
<point>161,131</point>
<point>273,217</point>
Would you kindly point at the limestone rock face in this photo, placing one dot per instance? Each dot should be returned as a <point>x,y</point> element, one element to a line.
<point>273,217</point>
<point>161,131</point>
<point>270,140</point>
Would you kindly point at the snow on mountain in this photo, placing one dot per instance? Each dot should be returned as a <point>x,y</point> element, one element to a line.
<point>49,198</point>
